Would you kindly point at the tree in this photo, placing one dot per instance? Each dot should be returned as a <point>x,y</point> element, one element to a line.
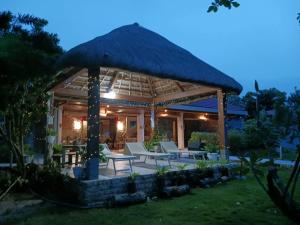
<point>27,58</point>
<point>216,4</point>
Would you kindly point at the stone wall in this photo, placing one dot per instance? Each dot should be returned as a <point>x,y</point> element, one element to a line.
<point>98,193</point>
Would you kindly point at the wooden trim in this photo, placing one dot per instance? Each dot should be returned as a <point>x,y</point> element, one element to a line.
<point>83,94</point>
<point>174,96</point>
<point>221,120</point>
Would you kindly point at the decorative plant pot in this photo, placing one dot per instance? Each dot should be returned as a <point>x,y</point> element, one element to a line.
<point>78,172</point>
<point>212,156</point>
<point>50,139</point>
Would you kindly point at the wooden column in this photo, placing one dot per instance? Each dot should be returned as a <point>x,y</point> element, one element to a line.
<point>49,125</point>
<point>140,122</point>
<point>221,122</point>
<point>180,131</point>
<point>92,164</point>
<point>59,123</point>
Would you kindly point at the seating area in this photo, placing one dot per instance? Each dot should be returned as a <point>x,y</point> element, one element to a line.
<point>135,158</point>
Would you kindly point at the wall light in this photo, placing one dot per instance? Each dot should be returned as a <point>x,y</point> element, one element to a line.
<point>164,114</point>
<point>202,117</point>
<point>77,125</point>
<point>120,126</point>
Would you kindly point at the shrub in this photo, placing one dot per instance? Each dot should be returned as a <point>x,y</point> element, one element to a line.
<point>210,139</point>
<point>51,184</point>
<point>236,141</point>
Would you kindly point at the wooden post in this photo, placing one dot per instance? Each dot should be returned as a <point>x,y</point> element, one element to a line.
<point>92,164</point>
<point>58,123</point>
<point>222,106</point>
<point>140,122</point>
<point>180,131</point>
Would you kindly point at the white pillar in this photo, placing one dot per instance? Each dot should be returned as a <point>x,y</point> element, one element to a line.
<point>180,131</point>
<point>140,122</point>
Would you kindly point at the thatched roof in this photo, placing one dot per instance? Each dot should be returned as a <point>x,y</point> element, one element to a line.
<point>139,50</point>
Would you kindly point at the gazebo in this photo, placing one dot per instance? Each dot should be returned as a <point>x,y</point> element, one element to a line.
<point>136,67</point>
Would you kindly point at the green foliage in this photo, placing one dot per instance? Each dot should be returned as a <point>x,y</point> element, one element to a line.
<point>182,167</point>
<point>264,136</point>
<point>161,171</point>
<point>154,141</point>
<point>28,150</point>
<point>5,153</point>
<point>201,164</point>
<point>50,132</point>
<point>236,141</point>
<point>133,176</point>
<point>102,156</point>
<point>27,58</point>
<point>210,139</point>
<point>49,182</point>
<point>57,148</point>
<point>216,4</point>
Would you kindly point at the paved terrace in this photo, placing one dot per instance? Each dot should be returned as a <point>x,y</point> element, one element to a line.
<point>138,166</point>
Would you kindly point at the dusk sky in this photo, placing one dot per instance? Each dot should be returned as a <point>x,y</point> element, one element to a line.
<point>259,40</point>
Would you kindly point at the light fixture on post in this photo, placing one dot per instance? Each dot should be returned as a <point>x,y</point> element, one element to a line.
<point>120,126</point>
<point>77,125</point>
<point>203,117</point>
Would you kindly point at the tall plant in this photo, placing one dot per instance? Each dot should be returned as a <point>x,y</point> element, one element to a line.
<point>27,56</point>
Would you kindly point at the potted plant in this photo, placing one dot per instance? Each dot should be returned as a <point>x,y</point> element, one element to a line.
<point>57,152</point>
<point>161,180</point>
<point>51,135</point>
<point>78,170</point>
<point>211,144</point>
<point>131,187</point>
<point>28,153</point>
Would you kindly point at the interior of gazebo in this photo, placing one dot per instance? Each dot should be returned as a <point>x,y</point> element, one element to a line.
<point>131,106</point>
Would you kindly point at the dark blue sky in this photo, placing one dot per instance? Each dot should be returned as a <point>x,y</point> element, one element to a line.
<point>259,40</point>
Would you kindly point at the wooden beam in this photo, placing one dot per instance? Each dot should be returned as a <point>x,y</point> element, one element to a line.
<point>83,94</point>
<point>221,122</point>
<point>180,131</point>
<point>75,71</point>
<point>173,96</point>
<point>113,81</point>
<point>179,86</point>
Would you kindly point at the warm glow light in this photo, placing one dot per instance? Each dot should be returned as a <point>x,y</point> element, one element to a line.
<point>166,110</point>
<point>77,125</point>
<point>120,126</point>
<point>103,112</point>
<point>203,117</point>
<point>164,114</point>
<point>111,95</point>
<point>84,123</point>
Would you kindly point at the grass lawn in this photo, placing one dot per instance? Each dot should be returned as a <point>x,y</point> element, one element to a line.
<point>237,202</point>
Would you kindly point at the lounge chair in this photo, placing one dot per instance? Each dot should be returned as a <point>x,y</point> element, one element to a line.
<point>170,147</point>
<point>116,158</point>
<point>138,149</point>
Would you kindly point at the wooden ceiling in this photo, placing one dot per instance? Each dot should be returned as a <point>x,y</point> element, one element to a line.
<point>131,86</point>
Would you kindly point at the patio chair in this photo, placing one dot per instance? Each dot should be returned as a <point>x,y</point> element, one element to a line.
<point>170,147</point>
<point>138,149</point>
<point>116,158</point>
